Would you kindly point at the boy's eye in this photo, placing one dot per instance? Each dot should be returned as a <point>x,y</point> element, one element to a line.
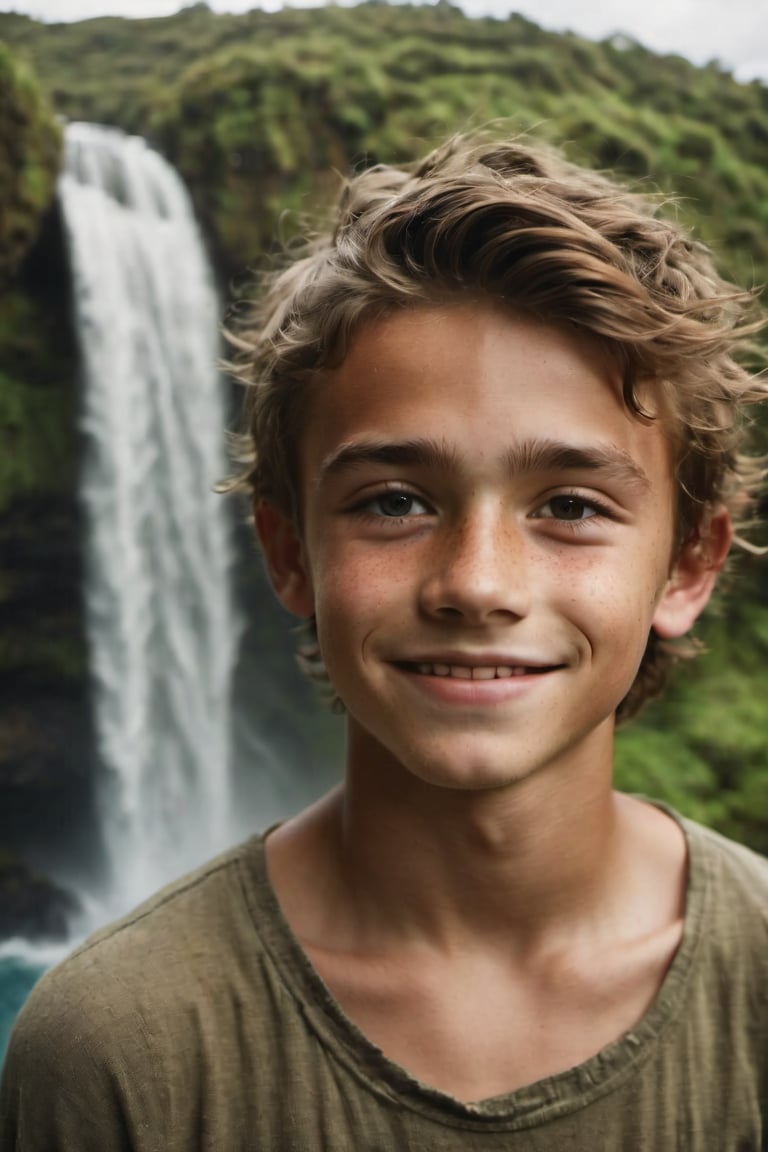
<point>567,508</point>
<point>396,504</point>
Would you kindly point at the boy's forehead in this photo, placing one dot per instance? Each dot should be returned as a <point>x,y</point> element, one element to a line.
<point>414,371</point>
<point>481,392</point>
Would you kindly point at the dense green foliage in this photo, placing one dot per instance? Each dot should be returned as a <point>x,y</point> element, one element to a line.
<point>30,151</point>
<point>35,411</point>
<point>30,145</point>
<point>702,747</point>
<point>258,110</point>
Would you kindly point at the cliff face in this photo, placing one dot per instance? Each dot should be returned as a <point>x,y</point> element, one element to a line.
<point>45,725</point>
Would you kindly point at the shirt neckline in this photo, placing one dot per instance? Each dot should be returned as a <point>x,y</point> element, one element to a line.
<point>545,1099</point>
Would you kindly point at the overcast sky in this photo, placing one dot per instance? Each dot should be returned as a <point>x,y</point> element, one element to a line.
<point>734,31</point>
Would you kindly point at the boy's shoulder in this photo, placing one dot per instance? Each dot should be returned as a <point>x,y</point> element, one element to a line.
<point>181,928</point>
<point>150,970</point>
<point>727,862</point>
<point>116,1031</point>
<point>727,901</point>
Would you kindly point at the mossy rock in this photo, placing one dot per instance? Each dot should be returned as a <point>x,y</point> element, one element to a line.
<point>30,157</point>
<point>31,905</point>
<point>38,367</point>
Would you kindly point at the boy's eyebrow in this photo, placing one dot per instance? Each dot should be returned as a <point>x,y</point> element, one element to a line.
<point>544,455</point>
<point>559,456</point>
<point>418,453</point>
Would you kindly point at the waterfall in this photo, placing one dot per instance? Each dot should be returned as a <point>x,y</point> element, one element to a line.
<point>161,630</point>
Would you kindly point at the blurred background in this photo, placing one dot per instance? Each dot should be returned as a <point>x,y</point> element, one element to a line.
<point>150,708</point>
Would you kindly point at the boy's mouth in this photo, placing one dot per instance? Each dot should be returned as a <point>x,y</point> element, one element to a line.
<point>477,671</point>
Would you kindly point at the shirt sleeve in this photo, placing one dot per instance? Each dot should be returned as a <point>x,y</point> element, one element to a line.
<point>61,1087</point>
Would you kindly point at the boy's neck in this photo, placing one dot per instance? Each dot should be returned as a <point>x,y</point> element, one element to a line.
<point>391,860</point>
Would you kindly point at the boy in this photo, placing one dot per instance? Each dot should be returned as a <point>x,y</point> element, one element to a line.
<point>495,432</point>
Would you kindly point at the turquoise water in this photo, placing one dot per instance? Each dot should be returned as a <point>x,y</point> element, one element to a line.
<point>17,977</point>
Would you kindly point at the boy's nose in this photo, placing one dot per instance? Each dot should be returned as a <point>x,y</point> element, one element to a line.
<point>478,570</point>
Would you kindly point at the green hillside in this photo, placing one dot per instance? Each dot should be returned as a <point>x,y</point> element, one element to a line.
<point>255,108</point>
<point>258,110</point>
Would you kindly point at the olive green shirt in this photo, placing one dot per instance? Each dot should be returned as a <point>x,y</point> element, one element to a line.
<point>197,1023</point>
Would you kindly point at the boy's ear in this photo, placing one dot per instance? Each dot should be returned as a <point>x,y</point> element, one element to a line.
<point>284,554</point>
<point>693,576</point>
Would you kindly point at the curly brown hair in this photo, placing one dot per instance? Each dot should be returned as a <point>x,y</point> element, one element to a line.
<point>514,221</point>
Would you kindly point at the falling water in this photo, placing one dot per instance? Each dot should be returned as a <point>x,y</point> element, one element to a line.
<point>160,624</point>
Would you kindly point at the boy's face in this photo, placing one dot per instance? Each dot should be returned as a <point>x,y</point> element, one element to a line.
<point>487,542</point>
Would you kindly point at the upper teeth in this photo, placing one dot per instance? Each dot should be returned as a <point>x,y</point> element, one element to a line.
<point>465,672</point>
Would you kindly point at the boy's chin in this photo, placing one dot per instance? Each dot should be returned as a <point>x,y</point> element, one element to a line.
<point>449,770</point>
<point>476,760</point>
